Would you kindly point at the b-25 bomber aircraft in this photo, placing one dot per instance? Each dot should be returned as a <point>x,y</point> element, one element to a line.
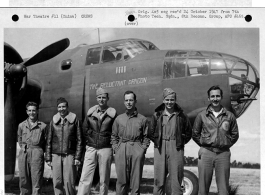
<point>127,64</point>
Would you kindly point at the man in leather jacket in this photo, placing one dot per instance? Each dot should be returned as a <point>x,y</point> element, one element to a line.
<point>170,130</point>
<point>97,129</point>
<point>31,138</point>
<point>215,130</point>
<point>64,148</point>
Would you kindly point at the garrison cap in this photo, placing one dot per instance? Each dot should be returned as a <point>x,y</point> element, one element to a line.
<point>168,91</point>
<point>61,100</point>
<point>101,91</point>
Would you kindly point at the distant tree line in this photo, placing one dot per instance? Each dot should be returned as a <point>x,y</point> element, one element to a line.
<point>191,161</point>
<point>245,165</point>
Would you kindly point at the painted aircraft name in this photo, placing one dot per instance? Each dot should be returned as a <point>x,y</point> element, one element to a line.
<point>121,83</point>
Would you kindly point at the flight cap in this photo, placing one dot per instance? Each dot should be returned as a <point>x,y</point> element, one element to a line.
<point>101,91</point>
<point>168,91</point>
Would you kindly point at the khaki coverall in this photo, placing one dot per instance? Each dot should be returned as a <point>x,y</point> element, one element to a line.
<point>168,159</point>
<point>129,141</point>
<point>31,156</point>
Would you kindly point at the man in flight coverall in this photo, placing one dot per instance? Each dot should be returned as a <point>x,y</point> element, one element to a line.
<point>129,142</point>
<point>31,139</point>
<point>170,130</point>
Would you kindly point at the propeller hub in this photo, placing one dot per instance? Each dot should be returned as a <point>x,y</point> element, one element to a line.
<point>15,71</point>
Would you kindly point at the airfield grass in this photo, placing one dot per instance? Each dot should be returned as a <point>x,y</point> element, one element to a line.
<point>247,180</point>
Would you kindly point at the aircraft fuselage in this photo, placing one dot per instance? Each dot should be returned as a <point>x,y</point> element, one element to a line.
<point>147,74</point>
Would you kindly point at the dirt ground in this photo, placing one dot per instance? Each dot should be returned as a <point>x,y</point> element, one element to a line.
<point>248,181</point>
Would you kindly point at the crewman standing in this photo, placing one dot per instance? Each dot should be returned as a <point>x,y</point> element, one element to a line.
<point>97,129</point>
<point>31,139</point>
<point>64,148</point>
<point>215,130</point>
<point>129,142</point>
<point>170,130</point>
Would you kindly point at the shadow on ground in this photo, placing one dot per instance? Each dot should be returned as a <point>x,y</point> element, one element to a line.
<point>13,186</point>
<point>146,186</point>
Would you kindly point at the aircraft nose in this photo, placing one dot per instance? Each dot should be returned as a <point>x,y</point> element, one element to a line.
<point>243,77</point>
<point>244,85</point>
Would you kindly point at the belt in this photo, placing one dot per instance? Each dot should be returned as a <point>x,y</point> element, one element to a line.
<point>129,140</point>
<point>169,138</point>
<point>216,150</point>
<point>26,146</point>
<point>31,146</point>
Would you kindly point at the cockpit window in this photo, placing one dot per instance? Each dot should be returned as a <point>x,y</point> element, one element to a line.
<point>133,48</point>
<point>148,45</point>
<point>174,68</point>
<point>93,56</point>
<point>109,55</point>
<point>125,50</point>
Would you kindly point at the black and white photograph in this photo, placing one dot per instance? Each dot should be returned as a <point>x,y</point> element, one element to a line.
<point>132,110</point>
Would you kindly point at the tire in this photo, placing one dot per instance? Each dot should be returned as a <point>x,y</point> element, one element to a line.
<point>190,184</point>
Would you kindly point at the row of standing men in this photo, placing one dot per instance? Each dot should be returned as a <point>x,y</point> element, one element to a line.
<point>128,136</point>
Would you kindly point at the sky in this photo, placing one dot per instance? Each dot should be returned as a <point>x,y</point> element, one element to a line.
<point>241,42</point>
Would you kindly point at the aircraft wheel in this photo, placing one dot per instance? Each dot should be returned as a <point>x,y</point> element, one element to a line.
<point>190,184</point>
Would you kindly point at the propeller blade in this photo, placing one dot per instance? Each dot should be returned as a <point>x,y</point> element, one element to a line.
<point>11,55</point>
<point>10,132</point>
<point>49,52</point>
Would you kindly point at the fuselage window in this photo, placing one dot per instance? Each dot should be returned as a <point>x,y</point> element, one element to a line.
<point>93,56</point>
<point>177,54</point>
<point>218,66</point>
<point>229,64</point>
<point>239,89</point>
<point>198,67</point>
<point>174,68</point>
<point>66,64</point>
<point>243,70</point>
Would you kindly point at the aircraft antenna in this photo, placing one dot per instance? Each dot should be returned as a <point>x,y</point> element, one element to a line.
<point>98,36</point>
